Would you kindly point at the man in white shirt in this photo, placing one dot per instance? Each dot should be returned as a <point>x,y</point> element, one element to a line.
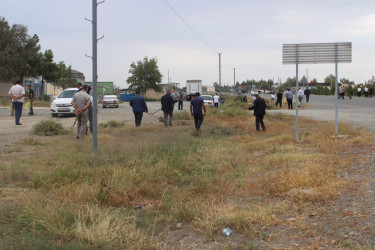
<point>366,92</point>
<point>216,100</point>
<point>17,92</point>
<point>359,89</point>
<point>301,93</point>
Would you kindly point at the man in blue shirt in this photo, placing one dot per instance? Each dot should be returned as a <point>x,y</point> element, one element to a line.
<point>196,106</point>
<point>139,106</point>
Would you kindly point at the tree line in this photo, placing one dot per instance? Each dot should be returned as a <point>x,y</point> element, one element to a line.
<point>20,57</point>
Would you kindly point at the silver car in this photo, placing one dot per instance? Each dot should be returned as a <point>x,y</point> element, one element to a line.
<point>110,101</point>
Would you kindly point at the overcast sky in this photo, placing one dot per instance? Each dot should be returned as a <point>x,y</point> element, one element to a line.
<point>248,33</point>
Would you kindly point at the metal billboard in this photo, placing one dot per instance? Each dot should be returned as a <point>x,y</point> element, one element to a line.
<point>313,53</point>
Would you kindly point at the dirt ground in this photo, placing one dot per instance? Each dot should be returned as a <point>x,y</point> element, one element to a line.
<point>10,133</point>
<point>346,222</point>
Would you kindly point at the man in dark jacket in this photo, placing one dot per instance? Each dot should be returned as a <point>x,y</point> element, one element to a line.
<point>139,106</point>
<point>167,103</point>
<point>279,99</point>
<point>196,106</point>
<point>307,94</point>
<point>259,108</point>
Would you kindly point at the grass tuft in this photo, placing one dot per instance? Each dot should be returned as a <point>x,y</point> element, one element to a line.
<point>112,124</point>
<point>49,128</point>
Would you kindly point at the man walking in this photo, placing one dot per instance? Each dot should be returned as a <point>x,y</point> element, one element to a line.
<point>81,102</point>
<point>216,100</point>
<point>359,89</point>
<point>31,99</point>
<point>289,98</point>
<point>139,106</point>
<point>167,103</point>
<point>279,98</point>
<point>301,93</point>
<point>180,100</point>
<point>259,108</point>
<point>196,106</point>
<point>17,92</point>
<point>307,94</point>
<point>366,91</point>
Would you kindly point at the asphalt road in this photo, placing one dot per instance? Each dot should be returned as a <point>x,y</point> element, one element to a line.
<point>357,111</point>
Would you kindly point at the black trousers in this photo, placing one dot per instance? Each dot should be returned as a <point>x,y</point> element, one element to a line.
<point>279,101</point>
<point>180,105</point>
<point>198,119</point>
<point>138,118</point>
<point>216,104</point>
<point>259,120</point>
<point>290,103</point>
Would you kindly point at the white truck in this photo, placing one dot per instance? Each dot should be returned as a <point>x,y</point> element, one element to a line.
<point>192,87</point>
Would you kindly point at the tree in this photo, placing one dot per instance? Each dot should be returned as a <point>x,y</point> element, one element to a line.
<point>65,79</point>
<point>346,81</point>
<point>19,52</point>
<point>48,69</point>
<point>330,79</point>
<point>145,75</point>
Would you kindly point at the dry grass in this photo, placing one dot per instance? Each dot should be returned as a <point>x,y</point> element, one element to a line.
<point>228,176</point>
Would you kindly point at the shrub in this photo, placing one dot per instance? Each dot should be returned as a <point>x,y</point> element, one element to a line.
<point>48,128</point>
<point>46,98</point>
<point>112,124</point>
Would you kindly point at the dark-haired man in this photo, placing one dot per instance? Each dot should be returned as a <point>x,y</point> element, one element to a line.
<point>259,108</point>
<point>31,99</point>
<point>17,92</point>
<point>139,106</point>
<point>81,102</point>
<point>167,103</point>
<point>196,107</point>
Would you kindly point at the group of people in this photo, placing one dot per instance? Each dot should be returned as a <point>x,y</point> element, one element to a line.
<point>289,97</point>
<point>197,107</point>
<point>367,91</point>
<point>83,107</point>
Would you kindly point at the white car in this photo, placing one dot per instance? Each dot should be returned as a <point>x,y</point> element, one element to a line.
<point>62,104</point>
<point>110,101</point>
<point>208,100</point>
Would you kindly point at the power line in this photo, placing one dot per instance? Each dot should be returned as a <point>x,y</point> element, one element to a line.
<point>188,25</point>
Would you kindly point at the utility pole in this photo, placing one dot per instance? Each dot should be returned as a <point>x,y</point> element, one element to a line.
<point>234,80</point>
<point>307,76</point>
<point>94,58</point>
<point>220,73</point>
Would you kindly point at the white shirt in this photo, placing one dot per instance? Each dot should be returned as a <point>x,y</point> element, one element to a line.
<point>366,89</point>
<point>359,89</point>
<point>301,92</point>
<point>17,90</point>
<point>216,99</point>
<point>272,96</point>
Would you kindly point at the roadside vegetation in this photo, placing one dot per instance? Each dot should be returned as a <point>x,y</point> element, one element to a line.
<point>143,181</point>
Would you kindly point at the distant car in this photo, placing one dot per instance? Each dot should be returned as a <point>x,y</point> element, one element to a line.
<point>208,100</point>
<point>62,104</point>
<point>270,93</point>
<point>110,101</point>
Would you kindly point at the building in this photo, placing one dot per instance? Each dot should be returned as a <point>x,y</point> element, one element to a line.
<point>78,75</point>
